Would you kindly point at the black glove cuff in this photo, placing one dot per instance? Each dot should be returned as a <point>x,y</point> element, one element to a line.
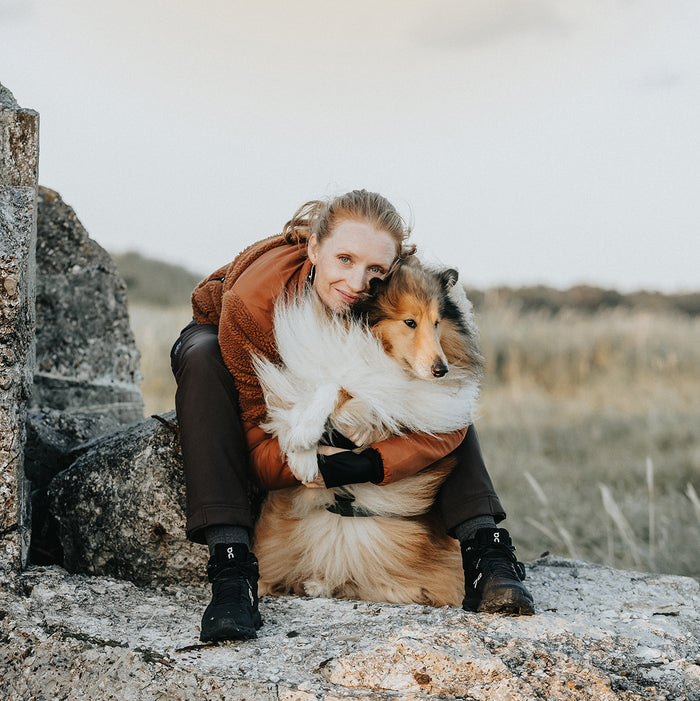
<point>351,468</point>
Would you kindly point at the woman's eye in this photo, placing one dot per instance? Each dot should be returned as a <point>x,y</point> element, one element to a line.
<point>410,323</point>
<point>377,270</point>
<point>344,259</point>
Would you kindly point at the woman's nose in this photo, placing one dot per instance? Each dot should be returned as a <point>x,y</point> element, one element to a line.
<point>358,280</point>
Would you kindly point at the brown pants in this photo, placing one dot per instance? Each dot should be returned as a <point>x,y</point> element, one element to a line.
<point>215,452</point>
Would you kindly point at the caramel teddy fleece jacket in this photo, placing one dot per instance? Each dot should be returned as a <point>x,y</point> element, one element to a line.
<point>239,298</point>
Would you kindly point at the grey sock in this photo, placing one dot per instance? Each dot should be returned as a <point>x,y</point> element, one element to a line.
<point>467,529</point>
<point>216,535</point>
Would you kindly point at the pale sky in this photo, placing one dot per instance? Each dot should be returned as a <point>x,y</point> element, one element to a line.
<point>529,141</point>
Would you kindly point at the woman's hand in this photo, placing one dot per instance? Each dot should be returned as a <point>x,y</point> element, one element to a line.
<point>318,483</point>
<point>339,467</point>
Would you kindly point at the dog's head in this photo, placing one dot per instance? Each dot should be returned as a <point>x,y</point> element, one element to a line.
<point>407,312</point>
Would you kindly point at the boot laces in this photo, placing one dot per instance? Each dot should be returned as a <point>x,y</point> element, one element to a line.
<point>500,562</point>
<point>231,587</point>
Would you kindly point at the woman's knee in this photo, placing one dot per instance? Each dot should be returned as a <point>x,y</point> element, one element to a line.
<point>196,350</point>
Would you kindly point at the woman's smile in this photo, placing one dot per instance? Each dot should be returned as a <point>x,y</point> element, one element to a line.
<point>350,299</point>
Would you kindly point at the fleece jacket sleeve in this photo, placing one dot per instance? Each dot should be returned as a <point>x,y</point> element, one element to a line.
<point>267,462</point>
<point>405,455</point>
<point>401,456</point>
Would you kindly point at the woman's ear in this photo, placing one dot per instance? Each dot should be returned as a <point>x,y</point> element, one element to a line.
<point>312,248</point>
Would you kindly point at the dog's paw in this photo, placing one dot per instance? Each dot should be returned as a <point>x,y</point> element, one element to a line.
<point>317,588</point>
<point>304,434</point>
<point>360,437</point>
<point>360,434</point>
<point>307,419</point>
<point>303,465</point>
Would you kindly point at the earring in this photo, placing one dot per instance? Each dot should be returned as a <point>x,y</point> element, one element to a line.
<point>312,275</point>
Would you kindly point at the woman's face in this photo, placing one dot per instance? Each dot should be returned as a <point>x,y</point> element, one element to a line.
<point>347,260</point>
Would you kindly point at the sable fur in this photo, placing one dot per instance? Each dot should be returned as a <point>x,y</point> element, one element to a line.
<point>367,377</point>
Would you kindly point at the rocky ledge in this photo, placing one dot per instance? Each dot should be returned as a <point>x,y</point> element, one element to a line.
<point>599,633</point>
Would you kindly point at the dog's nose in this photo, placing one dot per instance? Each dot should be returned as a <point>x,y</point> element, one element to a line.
<point>438,368</point>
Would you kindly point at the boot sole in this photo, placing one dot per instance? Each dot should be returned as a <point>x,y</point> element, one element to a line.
<point>228,630</point>
<point>508,603</point>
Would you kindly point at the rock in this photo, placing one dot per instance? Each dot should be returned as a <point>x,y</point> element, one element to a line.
<point>121,508</point>
<point>19,151</point>
<point>72,636</point>
<point>54,439</point>
<point>86,381</point>
<point>19,143</point>
<point>86,357</point>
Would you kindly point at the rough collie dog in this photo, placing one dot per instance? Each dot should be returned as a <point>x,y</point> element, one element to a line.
<point>407,359</point>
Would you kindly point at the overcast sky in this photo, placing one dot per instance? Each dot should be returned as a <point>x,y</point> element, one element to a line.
<point>529,141</point>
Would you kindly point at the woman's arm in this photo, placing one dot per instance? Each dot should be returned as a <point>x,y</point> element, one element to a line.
<point>267,462</point>
<point>405,455</point>
<point>386,461</point>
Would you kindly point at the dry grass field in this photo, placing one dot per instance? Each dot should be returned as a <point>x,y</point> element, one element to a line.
<point>590,426</point>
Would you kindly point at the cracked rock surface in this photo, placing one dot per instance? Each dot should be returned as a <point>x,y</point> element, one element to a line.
<point>598,633</point>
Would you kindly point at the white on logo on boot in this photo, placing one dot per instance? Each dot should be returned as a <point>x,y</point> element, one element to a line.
<point>229,552</point>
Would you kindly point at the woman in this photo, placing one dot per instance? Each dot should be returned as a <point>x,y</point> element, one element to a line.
<point>337,247</point>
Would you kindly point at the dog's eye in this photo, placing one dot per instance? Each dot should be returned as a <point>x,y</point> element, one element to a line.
<point>437,321</point>
<point>410,323</point>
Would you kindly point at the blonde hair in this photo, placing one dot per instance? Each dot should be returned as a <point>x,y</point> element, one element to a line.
<point>318,217</point>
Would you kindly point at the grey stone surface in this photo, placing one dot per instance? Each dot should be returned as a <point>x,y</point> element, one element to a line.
<point>19,143</point>
<point>121,508</point>
<point>18,167</point>
<point>54,439</point>
<point>598,635</point>
<point>87,360</point>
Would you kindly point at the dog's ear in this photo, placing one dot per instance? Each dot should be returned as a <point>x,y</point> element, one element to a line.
<point>375,284</point>
<point>365,306</point>
<point>448,278</point>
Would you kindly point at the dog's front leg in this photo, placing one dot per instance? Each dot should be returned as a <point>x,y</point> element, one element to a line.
<point>307,419</point>
<point>303,464</point>
<point>353,419</point>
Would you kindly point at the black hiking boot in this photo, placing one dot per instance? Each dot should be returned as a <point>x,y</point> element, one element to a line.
<point>493,576</point>
<point>233,612</point>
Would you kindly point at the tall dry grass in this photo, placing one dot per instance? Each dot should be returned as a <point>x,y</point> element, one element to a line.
<point>155,330</point>
<point>590,426</point>
<point>591,429</point>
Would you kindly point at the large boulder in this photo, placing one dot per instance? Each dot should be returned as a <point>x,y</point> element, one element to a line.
<point>599,634</point>
<point>121,507</point>
<point>19,152</point>
<point>53,439</point>
<point>86,379</point>
<point>86,357</point>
